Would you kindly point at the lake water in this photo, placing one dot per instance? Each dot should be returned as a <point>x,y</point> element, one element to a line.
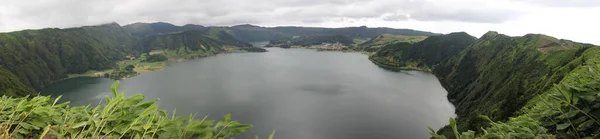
<point>302,93</point>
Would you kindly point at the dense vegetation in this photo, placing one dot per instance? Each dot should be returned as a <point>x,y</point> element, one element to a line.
<point>379,41</point>
<point>424,54</point>
<point>254,49</point>
<point>495,76</point>
<point>122,72</point>
<point>156,58</point>
<point>312,40</point>
<point>354,32</point>
<point>121,117</point>
<point>40,57</point>
<point>569,109</point>
<point>10,85</point>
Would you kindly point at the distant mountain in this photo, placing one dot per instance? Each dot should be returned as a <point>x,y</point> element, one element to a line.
<point>355,32</point>
<point>305,41</point>
<point>149,29</point>
<point>252,33</point>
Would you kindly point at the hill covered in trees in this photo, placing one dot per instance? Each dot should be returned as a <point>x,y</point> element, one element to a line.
<point>496,76</point>
<point>379,41</point>
<point>40,57</point>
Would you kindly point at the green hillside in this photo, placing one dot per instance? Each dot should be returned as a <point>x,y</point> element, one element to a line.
<point>496,75</point>
<point>40,57</point>
<point>385,39</point>
<point>424,54</point>
<point>10,85</point>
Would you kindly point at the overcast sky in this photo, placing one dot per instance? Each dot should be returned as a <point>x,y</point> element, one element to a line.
<point>577,20</point>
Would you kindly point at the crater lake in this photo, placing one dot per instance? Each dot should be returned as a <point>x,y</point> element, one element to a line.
<point>302,93</point>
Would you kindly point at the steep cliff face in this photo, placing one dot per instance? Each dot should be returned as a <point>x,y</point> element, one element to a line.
<point>494,76</point>
<point>39,57</point>
<point>498,74</point>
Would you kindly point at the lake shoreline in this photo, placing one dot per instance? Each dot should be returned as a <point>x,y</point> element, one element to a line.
<point>156,66</point>
<point>300,89</point>
<point>396,68</point>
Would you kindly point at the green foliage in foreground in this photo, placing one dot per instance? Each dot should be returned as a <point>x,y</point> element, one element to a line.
<point>131,117</point>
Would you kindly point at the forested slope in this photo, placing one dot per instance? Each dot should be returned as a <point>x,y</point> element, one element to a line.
<point>379,41</point>
<point>424,54</point>
<point>40,57</point>
<point>496,75</point>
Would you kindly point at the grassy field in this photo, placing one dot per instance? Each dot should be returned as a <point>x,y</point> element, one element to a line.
<point>141,66</point>
<point>385,39</point>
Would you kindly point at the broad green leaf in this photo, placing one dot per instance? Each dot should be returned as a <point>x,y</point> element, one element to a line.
<point>133,100</point>
<point>227,118</point>
<point>585,125</point>
<point>114,87</point>
<point>28,126</point>
<point>562,126</point>
<point>579,120</point>
<point>568,114</point>
<point>151,109</point>
<point>78,125</point>
<point>272,134</point>
<point>137,136</point>
<point>45,132</point>
<point>454,128</point>
<point>162,113</point>
<point>56,100</point>
<point>147,125</point>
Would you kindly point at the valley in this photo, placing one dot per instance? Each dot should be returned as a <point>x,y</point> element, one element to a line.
<point>528,86</point>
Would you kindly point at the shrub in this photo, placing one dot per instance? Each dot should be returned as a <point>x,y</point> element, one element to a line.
<point>156,58</point>
<point>121,117</point>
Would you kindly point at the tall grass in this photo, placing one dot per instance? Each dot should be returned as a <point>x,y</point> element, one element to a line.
<point>122,117</point>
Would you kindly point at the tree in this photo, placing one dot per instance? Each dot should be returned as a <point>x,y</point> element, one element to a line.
<point>129,67</point>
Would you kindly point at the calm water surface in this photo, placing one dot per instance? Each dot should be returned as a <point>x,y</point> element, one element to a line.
<point>302,93</point>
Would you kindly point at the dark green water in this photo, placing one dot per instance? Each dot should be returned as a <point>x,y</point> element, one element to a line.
<point>302,93</point>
